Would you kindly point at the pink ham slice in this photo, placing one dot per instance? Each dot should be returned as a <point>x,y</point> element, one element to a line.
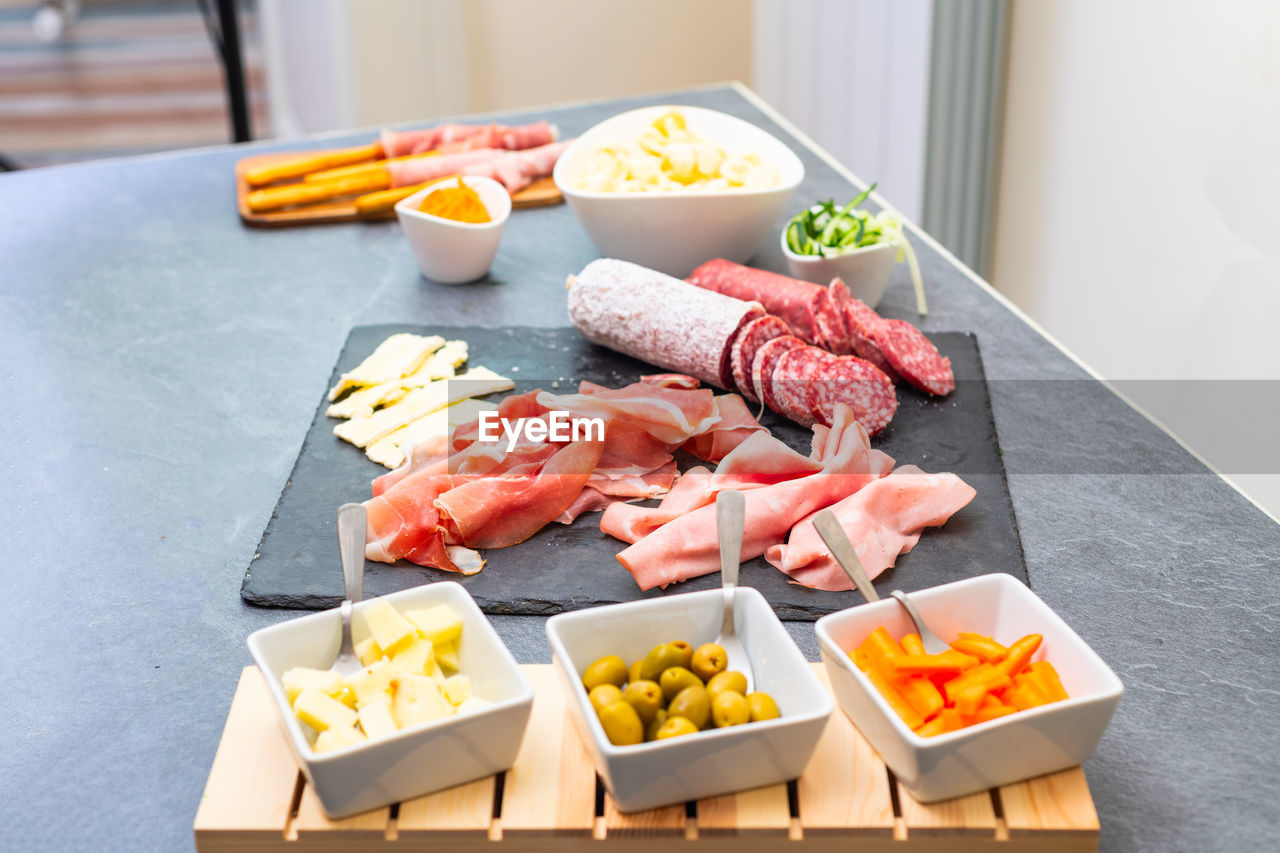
<point>883,519</point>
<point>513,169</point>
<point>736,425</point>
<point>457,137</point>
<point>687,547</point>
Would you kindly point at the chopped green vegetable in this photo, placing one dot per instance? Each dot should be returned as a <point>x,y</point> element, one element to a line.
<point>824,231</point>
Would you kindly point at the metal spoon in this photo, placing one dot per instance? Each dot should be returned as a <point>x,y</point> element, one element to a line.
<point>833,534</point>
<point>351,534</point>
<point>729,522</point>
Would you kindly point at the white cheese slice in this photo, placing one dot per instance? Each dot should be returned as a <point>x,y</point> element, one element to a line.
<point>365,400</point>
<point>478,381</point>
<point>391,450</point>
<point>397,356</point>
<point>441,365</point>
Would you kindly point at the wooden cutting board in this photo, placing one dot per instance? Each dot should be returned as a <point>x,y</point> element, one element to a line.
<point>846,799</point>
<point>540,193</point>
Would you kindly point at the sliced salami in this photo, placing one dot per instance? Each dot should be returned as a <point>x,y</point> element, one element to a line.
<point>839,296</point>
<point>790,384</point>
<point>788,299</point>
<point>830,323</point>
<point>862,321</point>
<point>809,384</point>
<point>915,357</point>
<point>763,365</point>
<point>754,335</point>
<point>658,319</point>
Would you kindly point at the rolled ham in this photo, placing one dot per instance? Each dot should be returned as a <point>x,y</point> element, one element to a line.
<point>461,137</point>
<point>515,170</point>
<point>882,520</point>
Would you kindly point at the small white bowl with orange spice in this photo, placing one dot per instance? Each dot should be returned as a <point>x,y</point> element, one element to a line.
<point>1026,739</point>
<point>448,249</point>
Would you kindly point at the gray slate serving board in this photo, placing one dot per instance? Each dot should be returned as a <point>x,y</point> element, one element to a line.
<point>567,568</point>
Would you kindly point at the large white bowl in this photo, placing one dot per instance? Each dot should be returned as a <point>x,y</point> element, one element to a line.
<point>710,763</point>
<point>416,760</point>
<point>998,752</point>
<point>674,232</point>
<point>449,251</point>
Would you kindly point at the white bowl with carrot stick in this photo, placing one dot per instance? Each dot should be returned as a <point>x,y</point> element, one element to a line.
<point>1019,695</point>
<point>454,226</point>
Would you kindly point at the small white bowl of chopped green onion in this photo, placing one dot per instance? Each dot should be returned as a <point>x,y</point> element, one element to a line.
<point>827,241</point>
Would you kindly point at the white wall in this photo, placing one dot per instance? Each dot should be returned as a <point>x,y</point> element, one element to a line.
<point>1139,207</point>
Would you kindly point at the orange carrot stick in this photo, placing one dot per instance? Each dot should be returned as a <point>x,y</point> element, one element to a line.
<point>912,645</point>
<point>984,674</point>
<point>922,695</point>
<point>1045,678</point>
<point>890,693</point>
<point>983,648</point>
<point>948,663</point>
<point>1019,654</point>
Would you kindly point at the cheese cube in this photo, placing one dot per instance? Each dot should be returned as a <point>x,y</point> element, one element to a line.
<point>331,739</point>
<point>376,719</point>
<point>417,658</point>
<point>388,628</point>
<point>439,624</point>
<point>369,651</point>
<point>321,711</point>
<point>372,683</point>
<point>300,678</point>
<point>447,656</point>
<point>419,699</point>
<point>457,688</point>
<point>472,704</point>
<point>347,696</point>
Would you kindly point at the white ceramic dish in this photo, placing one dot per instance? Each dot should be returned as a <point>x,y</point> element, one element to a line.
<point>710,763</point>
<point>1001,751</point>
<point>673,232</point>
<point>864,271</point>
<point>417,760</point>
<point>452,252</point>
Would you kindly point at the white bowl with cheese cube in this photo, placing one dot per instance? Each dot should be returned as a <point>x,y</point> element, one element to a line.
<point>670,214</point>
<point>439,702</point>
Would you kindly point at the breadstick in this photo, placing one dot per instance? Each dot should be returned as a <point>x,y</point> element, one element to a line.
<point>362,168</point>
<point>308,163</point>
<point>309,193</point>
<point>386,199</point>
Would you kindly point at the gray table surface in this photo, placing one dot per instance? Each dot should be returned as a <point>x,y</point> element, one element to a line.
<point>160,363</point>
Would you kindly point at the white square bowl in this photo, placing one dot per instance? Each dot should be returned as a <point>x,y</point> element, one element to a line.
<point>419,759</point>
<point>998,752</point>
<point>713,762</point>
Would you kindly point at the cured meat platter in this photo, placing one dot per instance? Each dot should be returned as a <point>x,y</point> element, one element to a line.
<point>570,567</point>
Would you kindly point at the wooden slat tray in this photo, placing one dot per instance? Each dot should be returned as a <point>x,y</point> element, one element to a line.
<point>256,799</point>
<point>540,193</point>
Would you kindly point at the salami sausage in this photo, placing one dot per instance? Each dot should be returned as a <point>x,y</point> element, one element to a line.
<point>915,357</point>
<point>754,335</point>
<point>763,365</point>
<point>829,321</point>
<point>862,321</point>
<point>659,319</point>
<point>786,298</point>
<point>789,385</point>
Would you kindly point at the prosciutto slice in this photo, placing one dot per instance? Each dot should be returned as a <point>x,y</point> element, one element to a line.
<point>513,169</point>
<point>461,137</point>
<point>671,415</point>
<point>736,425</point>
<point>687,546</point>
<point>882,520</point>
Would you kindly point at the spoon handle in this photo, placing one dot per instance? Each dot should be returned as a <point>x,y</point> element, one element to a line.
<point>351,535</point>
<point>833,534</point>
<point>729,524</point>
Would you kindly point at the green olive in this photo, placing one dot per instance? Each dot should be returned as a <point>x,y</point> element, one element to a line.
<point>610,669</point>
<point>677,678</point>
<point>729,708</point>
<point>675,727</point>
<point>651,730</point>
<point>762,707</point>
<point>727,680</point>
<point>686,652</point>
<point>708,660</point>
<point>645,697</point>
<point>633,674</point>
<point>603,694</point>
<point>621,724</point>
<point>693,704</point>
<point>660,658</point>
